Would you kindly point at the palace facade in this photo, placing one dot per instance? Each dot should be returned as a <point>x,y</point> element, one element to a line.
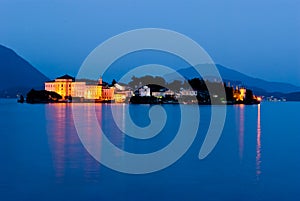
<point>68,88</point>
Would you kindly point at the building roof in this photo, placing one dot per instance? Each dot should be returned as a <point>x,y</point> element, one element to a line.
<point>66,76</point>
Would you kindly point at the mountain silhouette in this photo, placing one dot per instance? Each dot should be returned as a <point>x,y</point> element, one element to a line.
<point>259,86</point>
<point>17,76</point>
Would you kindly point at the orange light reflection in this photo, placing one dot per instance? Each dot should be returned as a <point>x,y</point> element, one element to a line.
<point>258,145</point>
<point>67,150</point>
<point>241,130</point>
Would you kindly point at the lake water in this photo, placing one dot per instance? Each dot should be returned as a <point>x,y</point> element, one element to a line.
<point>256,158</point>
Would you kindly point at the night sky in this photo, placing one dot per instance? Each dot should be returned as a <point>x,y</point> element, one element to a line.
<point>257,37</point>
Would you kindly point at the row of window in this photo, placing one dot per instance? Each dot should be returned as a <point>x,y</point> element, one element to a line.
<point>53,85</point>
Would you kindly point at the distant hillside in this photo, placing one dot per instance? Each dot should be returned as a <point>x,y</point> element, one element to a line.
<point>17,76</point>
<point>259,86</point>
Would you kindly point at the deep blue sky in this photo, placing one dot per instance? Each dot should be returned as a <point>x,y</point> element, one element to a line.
<point>258,37</point>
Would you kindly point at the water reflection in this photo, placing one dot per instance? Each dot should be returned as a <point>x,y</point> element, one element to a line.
<point>118,138</point>
<point>116,113</point>
<point>68,153</point>
<point>258,145</point>
<point>91,167</point>
<point>57,137</point>
<point>241,123</point>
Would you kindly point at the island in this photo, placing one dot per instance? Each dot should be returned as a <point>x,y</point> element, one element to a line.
<point>142,90</point>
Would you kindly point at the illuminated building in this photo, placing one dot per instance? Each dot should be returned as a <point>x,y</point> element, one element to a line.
<point>144,91</point>
<point>78,89</point>
<point>61,85</point>
<point>120,97</point>
<point>239,94</point>
<point>67,87</point>
<point>108,93</point>
<point>188,92</point>
<point>122,93</point>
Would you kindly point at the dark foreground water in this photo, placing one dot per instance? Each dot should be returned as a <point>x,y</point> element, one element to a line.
<point>256,158</point>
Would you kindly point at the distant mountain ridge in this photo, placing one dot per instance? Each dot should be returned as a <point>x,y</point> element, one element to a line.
<point>259,86</point>
<point>17,76</point>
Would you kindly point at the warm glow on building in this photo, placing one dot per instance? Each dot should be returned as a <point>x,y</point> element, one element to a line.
<point>93,92</point>
<point>108,93</point>
<point>78,89</point>
<point>242,93</point>
<point>239,94</point>
<point>67,87</point>
<point>120,97</point>
<point>61,85</point>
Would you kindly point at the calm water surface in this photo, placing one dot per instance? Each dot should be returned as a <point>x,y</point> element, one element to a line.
<point>256,158</point>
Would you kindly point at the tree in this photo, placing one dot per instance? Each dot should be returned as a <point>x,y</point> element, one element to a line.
<point>249,96</point>
<point>134,83</point>
<point>145,80</point>
<point>175,85</point>
<point>198,84</point>
<point>159,81</point>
